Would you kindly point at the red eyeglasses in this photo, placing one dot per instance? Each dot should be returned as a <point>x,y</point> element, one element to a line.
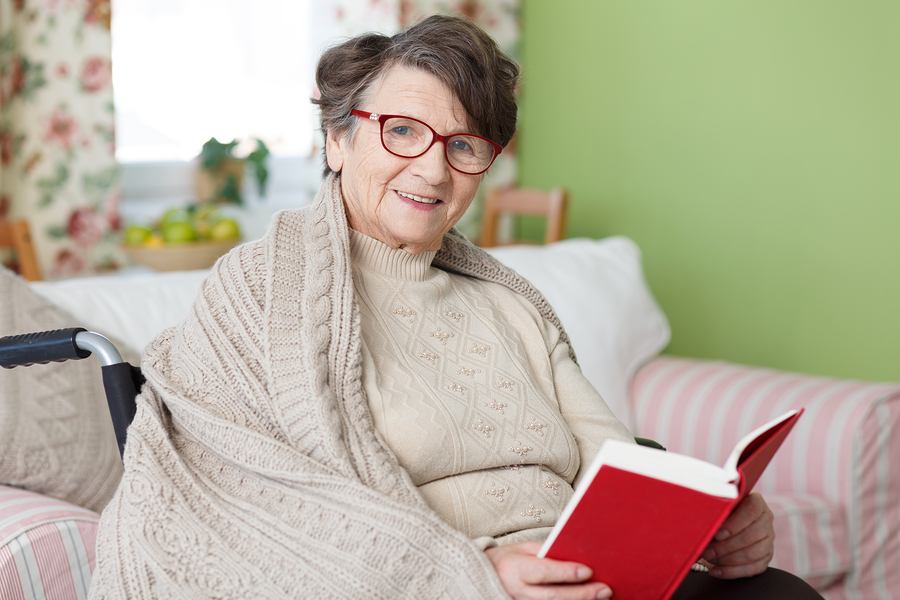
<point>408,138</point>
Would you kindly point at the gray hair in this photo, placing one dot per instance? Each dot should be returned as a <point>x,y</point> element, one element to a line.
<point>454,49</point>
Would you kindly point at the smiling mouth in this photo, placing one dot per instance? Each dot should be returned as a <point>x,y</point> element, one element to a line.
<point>419,199</point>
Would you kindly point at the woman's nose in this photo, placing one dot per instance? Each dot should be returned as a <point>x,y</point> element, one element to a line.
<point>432,166</point>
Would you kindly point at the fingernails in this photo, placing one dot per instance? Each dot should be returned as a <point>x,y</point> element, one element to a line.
<point>583,573</point>
<point>722,534</point>
<point>603,593</point>
<point>709,554</point>
<point>715,572</point>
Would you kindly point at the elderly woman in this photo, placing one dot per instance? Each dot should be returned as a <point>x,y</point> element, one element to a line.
<point>362,404</point>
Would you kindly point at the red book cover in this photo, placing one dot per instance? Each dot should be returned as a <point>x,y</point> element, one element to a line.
<point>641,517</point>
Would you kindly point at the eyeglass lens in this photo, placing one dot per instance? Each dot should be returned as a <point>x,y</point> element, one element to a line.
<point>410,138</point>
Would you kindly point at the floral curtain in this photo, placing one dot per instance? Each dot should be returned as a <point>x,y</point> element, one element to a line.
<point>57,162</point>
<point>500,18</point>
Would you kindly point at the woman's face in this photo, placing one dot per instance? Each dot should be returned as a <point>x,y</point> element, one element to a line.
<point>407,203</point>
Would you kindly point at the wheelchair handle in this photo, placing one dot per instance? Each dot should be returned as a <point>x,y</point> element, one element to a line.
<point>58,345</point>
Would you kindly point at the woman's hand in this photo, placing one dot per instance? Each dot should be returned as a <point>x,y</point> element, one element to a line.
<point>745,543</point>
<point>527,577</point>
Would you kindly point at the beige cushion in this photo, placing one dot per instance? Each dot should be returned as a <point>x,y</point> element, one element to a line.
<point>56,437</point>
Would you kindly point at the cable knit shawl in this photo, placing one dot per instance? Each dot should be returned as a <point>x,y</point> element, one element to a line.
<point>253,469</point>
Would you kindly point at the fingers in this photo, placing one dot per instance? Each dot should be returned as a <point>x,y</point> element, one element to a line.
<point>754,543</point>
<point>745,544</point>
<point>527,577</point>
<point>746,562</point>
<point>745,514</point>
<point>518,562</point>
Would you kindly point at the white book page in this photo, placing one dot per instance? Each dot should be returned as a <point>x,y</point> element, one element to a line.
<point>731,463</point>
<point>670,467</point>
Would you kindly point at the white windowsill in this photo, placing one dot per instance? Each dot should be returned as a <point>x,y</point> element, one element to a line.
<point>150,188</point>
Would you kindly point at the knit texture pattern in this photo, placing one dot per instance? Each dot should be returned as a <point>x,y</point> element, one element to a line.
<point>56,437</point>
<point>458,255</point>
<point>253,469</point>
<point>473,392</point>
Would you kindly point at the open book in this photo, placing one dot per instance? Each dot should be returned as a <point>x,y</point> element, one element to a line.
<point>641,517</point>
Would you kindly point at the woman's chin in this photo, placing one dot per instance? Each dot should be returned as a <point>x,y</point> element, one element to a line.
<point>417,243</point>
<point>414,248</point>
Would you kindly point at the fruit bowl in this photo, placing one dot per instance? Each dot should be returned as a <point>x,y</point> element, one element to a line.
<point>179,257</point>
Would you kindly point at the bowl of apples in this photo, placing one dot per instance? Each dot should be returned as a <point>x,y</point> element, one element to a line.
<point>183,239</point>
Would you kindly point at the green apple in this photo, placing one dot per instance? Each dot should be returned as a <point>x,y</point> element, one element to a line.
<point>225,229</point>
<point>179,232</point>
<point>136,235</point>
<point>174,215</point>
<point>205,215</point>
<point>206,212</point>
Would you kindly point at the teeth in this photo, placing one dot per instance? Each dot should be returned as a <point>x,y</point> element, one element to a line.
<point>418,198</point>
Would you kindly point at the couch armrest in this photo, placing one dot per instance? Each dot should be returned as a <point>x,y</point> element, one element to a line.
<point>845,448</point>
<point>46,546</point>
<point>702,408</point>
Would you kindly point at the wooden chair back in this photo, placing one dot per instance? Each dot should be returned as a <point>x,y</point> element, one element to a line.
<point>17,236</point>
<point>521,201</point>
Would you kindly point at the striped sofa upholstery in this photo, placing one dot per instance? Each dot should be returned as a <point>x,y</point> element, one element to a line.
<point>835,484</point>
<point>46,547</point>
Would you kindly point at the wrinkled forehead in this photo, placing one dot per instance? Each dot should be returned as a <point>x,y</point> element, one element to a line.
<point>418,93</point>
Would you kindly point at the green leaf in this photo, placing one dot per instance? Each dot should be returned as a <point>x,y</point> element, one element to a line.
<point>229,191</point>
<point>34,78</point>
<point>258,159</point>
<point>215,152</point>
<point>51,185</point>
<point>100,181</point>
<point>57,232</point>
<point>62,173</point>
<point>8,42</point>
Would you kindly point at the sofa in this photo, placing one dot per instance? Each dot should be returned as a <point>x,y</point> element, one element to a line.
<point>834,486</point>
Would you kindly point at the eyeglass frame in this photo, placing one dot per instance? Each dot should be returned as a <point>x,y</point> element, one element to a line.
<point>435,137</point>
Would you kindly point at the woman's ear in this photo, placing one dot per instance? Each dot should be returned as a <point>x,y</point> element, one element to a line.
<point>334,151</point>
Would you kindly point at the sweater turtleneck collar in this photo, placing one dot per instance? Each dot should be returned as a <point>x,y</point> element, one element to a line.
<point>371,254</point>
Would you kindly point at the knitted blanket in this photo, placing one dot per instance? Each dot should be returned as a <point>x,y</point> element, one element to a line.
<point>253,469</point>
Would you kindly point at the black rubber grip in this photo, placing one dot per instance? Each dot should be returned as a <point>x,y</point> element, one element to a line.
<point>649,443</point>
<point>40,348</point>
<point>119,382</point>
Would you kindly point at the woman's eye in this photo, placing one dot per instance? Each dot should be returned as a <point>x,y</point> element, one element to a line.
<point>460,145</point>
<point>400,130</point>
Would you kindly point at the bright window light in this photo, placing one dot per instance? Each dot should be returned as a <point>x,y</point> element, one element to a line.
<point>188,70</point>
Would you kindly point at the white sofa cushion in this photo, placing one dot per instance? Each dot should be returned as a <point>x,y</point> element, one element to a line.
<point>132,307</point>
<point>598,290</point>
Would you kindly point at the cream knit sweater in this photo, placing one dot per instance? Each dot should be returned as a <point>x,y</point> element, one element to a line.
<point>253,468</point>
<point>475,394</point>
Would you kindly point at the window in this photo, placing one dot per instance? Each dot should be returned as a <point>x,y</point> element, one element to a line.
<point>187,70</point>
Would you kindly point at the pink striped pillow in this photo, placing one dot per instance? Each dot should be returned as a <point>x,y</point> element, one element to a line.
<point>812,538</point>
<point>844,452</point>
<point>46,547</point>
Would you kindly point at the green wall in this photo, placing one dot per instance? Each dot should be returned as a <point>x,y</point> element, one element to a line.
<point>750,147</point>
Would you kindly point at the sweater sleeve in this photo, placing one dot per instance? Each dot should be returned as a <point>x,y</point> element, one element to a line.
<point>582,407</point>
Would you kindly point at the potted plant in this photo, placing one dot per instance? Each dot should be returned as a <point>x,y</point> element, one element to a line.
<point>221,173</point>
